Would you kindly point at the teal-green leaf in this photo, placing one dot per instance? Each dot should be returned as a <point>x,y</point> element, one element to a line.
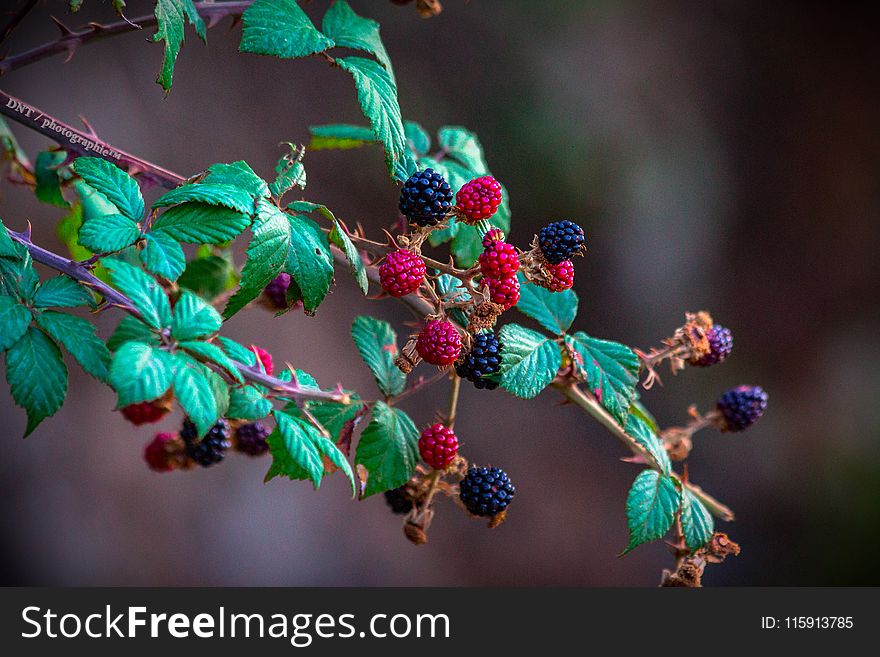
<point>266,255</point>
<point>238,351</point>
<point>144,291</point>
<point>109,233</point>
<point>194,393</point>
<point>377,95</point>
<point>555,311</point>
<point>294,451</point>
<point>349,30</point>
<point>339,237</point>
<point>131,329</point>
<point>140,372</point>
<point>48,182</point>
<point>78,337</point>
<point>248,403</point>
<point>463,145</point>
<point>611,370</point>
<point>201,223</point>
<point>290,172</point>
<point>37,376</point>
<point>214,354</point>
<point>529,361</point>
<point>113,183</point>
<point>62,292</point>
<point>417,137</point>
<point>450,290</point>
<point>220,390</point>
<point>209,276</point>
<point>194,317</point>
<point>14,321</point>
<point>163,256</point>
<point>336,457</point>
<point>650,507</point>
<point>224,195</point>
<point>171,16</point>
<point>388,449</point>
<point>7,246</point>
<point>340,136</point>
<point>237,174</point>
<point>308,261</point>
<point>645,436</point>
<point>376,342</point>
<point>697,523</point>
<point>338,419</point>
<point>638,409</point>
<point>281,29</point>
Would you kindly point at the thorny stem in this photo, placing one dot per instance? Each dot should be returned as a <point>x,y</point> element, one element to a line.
<point>453,401</point>
<point>17,17</point>
<point>421,384</point>
<point>113,297</point>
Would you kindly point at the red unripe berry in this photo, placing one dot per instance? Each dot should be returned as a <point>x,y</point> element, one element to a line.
<point>561,276</point>
<point>503,291</point>
<point>438,446</point>
<point>264,357</point>
<point>439,343</point>
<point>159,453</point>
<point>401,273</point>
<point>493,235</point>
<point>145,412</point>
<point>479,198</point>
<point>499,260</point>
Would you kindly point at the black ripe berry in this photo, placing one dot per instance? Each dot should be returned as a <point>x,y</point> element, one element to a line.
<point>399,500</point>
<point>559,240</point>
<point>426,198</point>
<point>210,449</point>
<point>250,439</point>
<point>486,491</point>
<point>481,361</point>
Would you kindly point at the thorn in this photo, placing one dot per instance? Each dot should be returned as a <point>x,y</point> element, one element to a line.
<point>125,18</point>
<point>391,240</point>
<point>28,230</point>
<point>89,129</point>
<point>65,31</point>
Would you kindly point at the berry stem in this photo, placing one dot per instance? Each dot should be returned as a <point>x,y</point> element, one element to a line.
<point>419,385</point>
<point>453,401</point>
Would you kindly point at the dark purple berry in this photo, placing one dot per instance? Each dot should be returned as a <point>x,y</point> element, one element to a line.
<point>250,439</point>
<point>742,406</point>
<point>559,240</point>
<point>486,491</point>
<point>211,448</point>
<point>426,198</point>
<point>482,360</point>
<point>720,345</point>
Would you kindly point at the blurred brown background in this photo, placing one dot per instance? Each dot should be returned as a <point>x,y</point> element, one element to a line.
<point>720,155</point>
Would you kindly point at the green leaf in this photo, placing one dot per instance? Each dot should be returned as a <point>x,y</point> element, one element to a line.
<point>109,233</point>
<point>309,262</point>
<point>281,29</point>
<point>237,351</point>
<point>340,136</point>
<point>449,290</point>
<point>417,137</point>
<point>696,522</point>
<point>68,231</point>
<point>555,311</point>
<point>266,255</point>
<point>461,144</point>
<point>145,292</point>
<point>645,436</point>
<point>140,372</point>
<point>48,181</point>
<point>304,207</point>
<point>294,451</point>
<point>612,371</point>
<point>213,354</point>
<point>336,457</point>
<point>650,507</point>
<point>113,183</point>
<point>227,196</point>
<point>131,329</point>
<point>220,390</point>
<point>388,449</point>
<point>37,376</point>
<point>62,292</point>
<point>209,276</point>
<point>78,337</point>
<point>529,361</point>
<point>290,172</point>
<point>17,274</point>
<point>337,419</point>
<point>94,204</point>
<point>237,174</point>
<point>339,237</point>
<point>248,403</point>
<point>638,409</point>
<point>7,246</point>
<point>194,393</point>
<point>14,321</point>
<point>377,95</point>
<point>171,16</point>
<point>194,317</point>
<point>349,30</point>
<point>200,223</point>
<point>163,256</point>
<point>377,343</point>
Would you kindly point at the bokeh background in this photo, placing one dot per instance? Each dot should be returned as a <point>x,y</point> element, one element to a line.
<point>721,155</point>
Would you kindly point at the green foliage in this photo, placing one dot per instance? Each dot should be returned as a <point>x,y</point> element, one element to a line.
<point>647,438</point>
<point>163,256</point>
<point>131,329</point>
<point>448,289</point>
<point>140,372</point>
<point>697,523</point>
<point>650,507</point>
<point>171,16</point>
<point>237,174</point>
<point>14,321</point>
<point>339,237</point>
<point>388,449</point>
<point>194,392</point>
<point>529,361</point>
<point>62,292</point>
<point>638,409</point>
<point>555,311</point>
<point>612,371</point>
<point>48,180</point>
<point>377,343</point>
<point>208,276</point>
<point>248,403</point>
<point>112,183</point>
<point>349,30</point>
<point>238,352</point>
<point>417,138</point>
<point>340,136</point>
<point>108,233</point>
<point>281,29</point>
<point>193,318</point>
<point>212,354</point>
<point>289,172</point>
<point>37,376</point>
<point>78,337</point>
<point>144,292</point>
<point>308,261</point>
<point>377,95</point>
<point>201,223</point>
<point>223,195</point>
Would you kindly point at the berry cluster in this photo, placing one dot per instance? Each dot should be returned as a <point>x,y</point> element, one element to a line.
<point>741,407</point>
<point>211,448</point>
<point>720,345</point>
<point>426,198</point>
<point>483,360</point>
<point>438,446</point>
<point>478,199</point>
<point>560,240</point>
<point>439,343</point>
<point>486,491</point>
<point>402,273</point>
